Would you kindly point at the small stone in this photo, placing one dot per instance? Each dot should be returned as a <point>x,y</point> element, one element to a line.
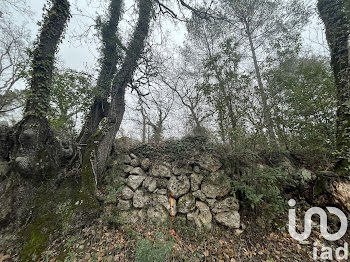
<point>138,171</point>
<point>128,169</point>
<point>150,184</point>
<point>210,163</point>
<point>145,164</point>
<point>228,204</point>
<point>179,186</point>
<point>230,219</point>
<point>133,156</point>
<point>135,162</point>
<point>162,183</point>
<point>161,191</point>
<point>135,181</point>
<point>127,193</point>
<point>238,232</point>
<point>160,171</point>
<point>196,169</point>
<point>140,199</point>
<point>186,204</point>
<point>126,159</point>
<point>124,205</point>
<point>200,195</point>
<point>182,170</point>
<point>196,180</point>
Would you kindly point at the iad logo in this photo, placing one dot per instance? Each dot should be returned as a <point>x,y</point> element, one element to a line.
<point>326,252</point>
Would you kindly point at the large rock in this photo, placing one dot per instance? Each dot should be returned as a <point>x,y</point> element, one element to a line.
<point>205,217</point>
<point>157,214</point>
<point>124,205</point>
<point>228,204</point>
<point>179,186</point>
<point>216,185</point>
<point>196,180</point>
<point>209,162</point>
<point>230,219</point>
<point>138,171</point>
<point>127,193</point>
<point>186,204</point>
<point>160,170</point>
<point>150,184</point>
<point>164,201</point>
<point>135,181</point>
<point>140,199</point>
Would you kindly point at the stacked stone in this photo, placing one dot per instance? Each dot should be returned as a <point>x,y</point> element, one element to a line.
<point>200,191</point>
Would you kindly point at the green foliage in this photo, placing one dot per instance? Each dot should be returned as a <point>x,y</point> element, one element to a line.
<point>261,190</point>
<point>71,97</point>
<point>153,251</point>
<point>302,92</point>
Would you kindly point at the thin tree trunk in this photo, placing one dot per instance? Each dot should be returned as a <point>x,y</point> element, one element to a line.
<point>337,26</point>
<point>109,62</point>
<point>38,100</point>
<point>266,110</point>
<point>122,79</point>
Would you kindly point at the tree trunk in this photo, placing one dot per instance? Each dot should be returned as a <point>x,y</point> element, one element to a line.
<point>109,63</point>
<point>266,110</point>
<point>337,27</point>
<point>35,149</point>
<point>121,80</point>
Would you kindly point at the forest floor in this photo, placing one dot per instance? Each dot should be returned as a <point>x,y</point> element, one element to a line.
<point>101,242</point>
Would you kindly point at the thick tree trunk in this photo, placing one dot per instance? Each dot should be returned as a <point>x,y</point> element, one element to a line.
<point>109,62</point>
<point>261,91</point>
<point>337,27</point>
<point>34,148</point>
<point>121,80</point>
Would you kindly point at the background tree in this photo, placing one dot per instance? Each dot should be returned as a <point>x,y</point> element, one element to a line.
<point>71,97</point>
<point>267,28</point>
<point>13,63</point>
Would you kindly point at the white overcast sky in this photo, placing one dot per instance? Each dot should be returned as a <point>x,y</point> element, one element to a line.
<point>78,55</point>
<point>82,55</point>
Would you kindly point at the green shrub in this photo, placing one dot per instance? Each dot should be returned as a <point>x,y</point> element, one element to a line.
<point>261,190</point>
<point>153,251</point>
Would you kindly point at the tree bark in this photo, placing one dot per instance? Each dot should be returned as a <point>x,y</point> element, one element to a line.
<point>337,26</point>
<point>109,62</point>
<point>34,146</point>
<point>121,81</point>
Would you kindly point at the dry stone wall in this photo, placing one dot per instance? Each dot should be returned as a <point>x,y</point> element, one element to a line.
<point>198,190</point>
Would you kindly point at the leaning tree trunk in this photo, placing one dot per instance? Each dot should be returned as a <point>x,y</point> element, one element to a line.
<point>97,153</point>
<point>109,62</point>
<point>337,26</point>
